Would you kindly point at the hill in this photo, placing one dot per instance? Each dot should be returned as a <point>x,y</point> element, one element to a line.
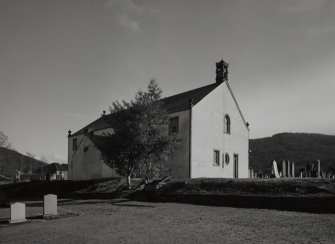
<point>11,160</point>
<point>301,148</point>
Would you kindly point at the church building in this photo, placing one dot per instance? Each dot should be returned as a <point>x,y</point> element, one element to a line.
<point>213,136</point>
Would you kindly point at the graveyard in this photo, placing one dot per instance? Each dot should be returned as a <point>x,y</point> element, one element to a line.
<point>115,221</point>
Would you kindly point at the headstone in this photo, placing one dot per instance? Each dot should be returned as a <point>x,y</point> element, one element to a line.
<point>319,169</point>
<point>275,169</point>
<point>292,171</point>
<point>50,205</point>
<point>17,212</point>
<point>288,168</point>
<point>284,168</point>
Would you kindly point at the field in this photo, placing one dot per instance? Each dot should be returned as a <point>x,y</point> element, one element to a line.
<point>123,221</point>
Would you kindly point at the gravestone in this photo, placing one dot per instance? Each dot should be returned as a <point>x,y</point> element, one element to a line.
<point>50,205</point>
<point>17,212</point>
<point>288,168</point>
<point>319,169</point>
<point>284,168</point>
<point>292,171</point>
<point>252,174</point>
<point>275,169</point>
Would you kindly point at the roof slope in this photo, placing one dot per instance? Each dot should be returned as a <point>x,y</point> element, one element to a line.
<point>181,101</point>
<point>98,124</point>
<point>172,104</point>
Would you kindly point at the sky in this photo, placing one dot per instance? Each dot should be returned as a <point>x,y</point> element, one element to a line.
<point>63,62</point>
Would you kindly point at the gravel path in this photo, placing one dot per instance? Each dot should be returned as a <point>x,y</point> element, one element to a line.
<point>121,221</point>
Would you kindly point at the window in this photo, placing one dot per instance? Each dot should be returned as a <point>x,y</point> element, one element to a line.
<point>74,144</point>
<point>227,124</point>
<point>174,125</point>
<point>226,158</point>
<point>216,158</point>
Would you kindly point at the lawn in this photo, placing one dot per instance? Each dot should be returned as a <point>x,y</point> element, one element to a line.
<point>123,221</point>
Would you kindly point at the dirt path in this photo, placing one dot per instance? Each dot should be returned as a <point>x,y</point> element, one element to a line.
<point>118,221</point>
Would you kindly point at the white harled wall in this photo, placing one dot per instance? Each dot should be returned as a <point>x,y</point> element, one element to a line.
<point>208,135</point>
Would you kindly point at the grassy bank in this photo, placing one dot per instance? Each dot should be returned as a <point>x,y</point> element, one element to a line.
<point>312,195</point>
<point>103,188</point>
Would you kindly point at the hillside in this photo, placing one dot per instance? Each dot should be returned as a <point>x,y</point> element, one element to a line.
<point>12,160</point>
<point>301,148</point>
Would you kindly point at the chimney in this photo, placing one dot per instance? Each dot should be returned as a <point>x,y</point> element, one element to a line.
<point>221,71</point>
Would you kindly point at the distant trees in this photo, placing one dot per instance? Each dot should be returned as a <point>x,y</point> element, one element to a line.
<point>4,141</point>
<point>140,141</point>
<point>30,155</point>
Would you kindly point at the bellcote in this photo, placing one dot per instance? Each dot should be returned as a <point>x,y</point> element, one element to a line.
<point>221,71</point>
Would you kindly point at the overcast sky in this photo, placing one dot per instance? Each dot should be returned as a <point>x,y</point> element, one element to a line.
<point>64,61</point>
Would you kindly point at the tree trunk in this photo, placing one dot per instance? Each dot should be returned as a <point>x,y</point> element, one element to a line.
<point>130,173</point>
<point>129,181</point>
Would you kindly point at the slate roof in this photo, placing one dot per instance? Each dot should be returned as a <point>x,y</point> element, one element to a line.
<point>181,101</point>
<point>98,124</point>
<point>172,104</point>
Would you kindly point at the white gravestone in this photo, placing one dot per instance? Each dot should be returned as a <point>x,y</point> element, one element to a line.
<point>50,205</point>
<point>17,212</point>
<point>275,169</point>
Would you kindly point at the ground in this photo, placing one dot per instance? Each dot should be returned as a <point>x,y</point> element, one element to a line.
<point>123,221</point>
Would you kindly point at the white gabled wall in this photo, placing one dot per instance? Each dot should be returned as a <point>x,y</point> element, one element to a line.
<point>208,135</point>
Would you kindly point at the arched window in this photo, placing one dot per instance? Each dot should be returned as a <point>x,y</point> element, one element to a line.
<point>227,124</point>
<point>226,158</point>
